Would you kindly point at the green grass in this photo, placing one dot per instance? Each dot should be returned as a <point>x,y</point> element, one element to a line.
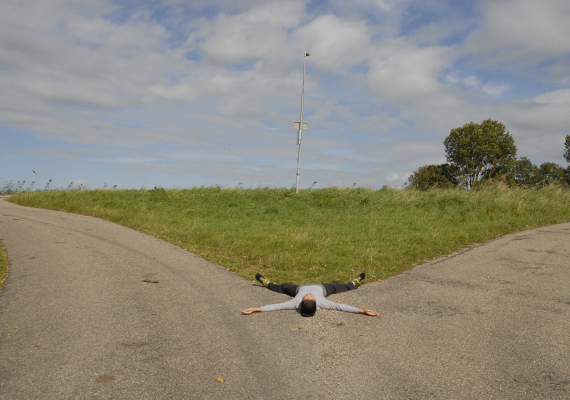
<point>3,266</point>
<point>317,235</point>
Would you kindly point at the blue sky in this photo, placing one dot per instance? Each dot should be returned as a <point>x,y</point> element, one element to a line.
<point>187,93</point>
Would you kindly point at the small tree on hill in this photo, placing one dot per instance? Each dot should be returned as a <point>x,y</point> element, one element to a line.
<point>481,151</point>
<point>525,173</point>
<point>432,176</point>
<point>550,172</point>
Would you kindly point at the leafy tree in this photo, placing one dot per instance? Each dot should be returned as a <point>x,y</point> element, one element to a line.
<point>550,172</point>
<point>567,149</point>
<point>481,151</point>
<point>525,173</point>
<point>566,179</point>
<point>430,176</point>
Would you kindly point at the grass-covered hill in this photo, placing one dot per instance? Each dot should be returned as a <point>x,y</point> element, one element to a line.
<point>316,235</point>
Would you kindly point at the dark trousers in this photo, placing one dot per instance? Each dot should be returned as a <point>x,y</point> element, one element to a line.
<point>331,288</point>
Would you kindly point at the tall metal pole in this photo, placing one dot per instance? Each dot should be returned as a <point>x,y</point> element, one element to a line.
<point>300,133</point>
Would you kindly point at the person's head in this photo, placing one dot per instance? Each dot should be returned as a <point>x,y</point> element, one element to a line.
<point>308,306</point>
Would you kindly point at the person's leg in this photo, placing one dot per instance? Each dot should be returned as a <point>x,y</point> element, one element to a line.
<point>335,287</point>
<point>286,288</point>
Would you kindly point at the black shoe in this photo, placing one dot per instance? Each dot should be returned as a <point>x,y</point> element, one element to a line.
<point>359,279</point>
<point>261,279</point>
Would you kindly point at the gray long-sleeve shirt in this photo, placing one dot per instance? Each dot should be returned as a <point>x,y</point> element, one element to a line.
<point>316,290</point>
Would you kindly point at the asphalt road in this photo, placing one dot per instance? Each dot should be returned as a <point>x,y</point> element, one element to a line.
<point>77,321</point>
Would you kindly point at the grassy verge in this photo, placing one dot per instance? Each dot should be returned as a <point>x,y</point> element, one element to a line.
<point>317,235</point>
<point>3,266</point>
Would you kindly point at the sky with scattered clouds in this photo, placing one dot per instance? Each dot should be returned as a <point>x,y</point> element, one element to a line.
<point>179,93</point>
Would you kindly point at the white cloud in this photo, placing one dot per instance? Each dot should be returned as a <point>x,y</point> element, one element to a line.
<point>558,97</point>
<point>258,33</point>
<point>522,31</point>
<point>184,91</point>
<point>335,43</point>
<point>495,90</point>
<point>491,89</point>
<point>402,72</point>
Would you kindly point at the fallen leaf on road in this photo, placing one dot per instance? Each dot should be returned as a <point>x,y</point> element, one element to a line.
<point>105,378</point>
<point>294,329</point>
<point>220,380</point>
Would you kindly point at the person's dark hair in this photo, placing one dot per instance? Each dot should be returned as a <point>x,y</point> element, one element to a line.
<point>308,308</point>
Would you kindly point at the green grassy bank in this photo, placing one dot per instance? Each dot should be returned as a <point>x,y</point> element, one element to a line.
<point>3,266</point>
<point>317,235</point>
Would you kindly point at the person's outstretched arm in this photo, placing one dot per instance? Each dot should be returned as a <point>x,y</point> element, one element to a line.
<point>331,305</point>
<point>251,310</point>
<point>288,305</point>
<point>372,313</point>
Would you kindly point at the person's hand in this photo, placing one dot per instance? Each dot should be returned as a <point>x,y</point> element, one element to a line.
<point>372,313</point>
<point>250,310</point>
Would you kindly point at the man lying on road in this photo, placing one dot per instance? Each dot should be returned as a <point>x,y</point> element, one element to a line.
<point>310,298</point>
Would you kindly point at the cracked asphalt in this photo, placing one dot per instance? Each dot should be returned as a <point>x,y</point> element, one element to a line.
<point>94,310</point>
